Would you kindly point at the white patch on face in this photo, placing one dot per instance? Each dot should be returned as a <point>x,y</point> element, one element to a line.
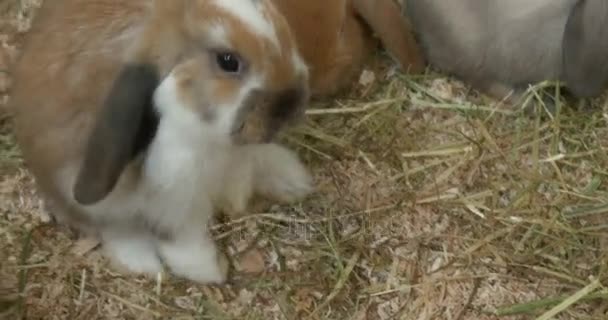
<point>182,147</point>
<point>218,35</point>
<point>251,14</point>
<point>177,150</point>
<point>299,64</point>
<point>171,109</point>
<point>190,124</point>
<point>226,114</point>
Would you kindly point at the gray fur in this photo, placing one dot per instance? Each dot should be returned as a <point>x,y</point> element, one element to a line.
<point>498,45</point>
<point>586,48</point>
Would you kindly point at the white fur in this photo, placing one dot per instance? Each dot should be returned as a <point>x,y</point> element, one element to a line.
<point>218,35</point>
<point>174,193</point>
<point>183,165</point>
<point>300,66</point>
<point>193,254</point>
<point>267,169</point>
<point>251,13</point>
<point>278,173</point>
<point>134,251</point>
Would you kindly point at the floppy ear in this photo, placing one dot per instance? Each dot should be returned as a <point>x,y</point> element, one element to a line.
<point>125,126</point>
<point>585,48</point>
<point>385,19</point>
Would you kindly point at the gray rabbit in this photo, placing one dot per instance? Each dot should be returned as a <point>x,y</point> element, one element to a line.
<point>502,46</point>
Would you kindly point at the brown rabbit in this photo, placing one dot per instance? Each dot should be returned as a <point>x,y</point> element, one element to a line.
<point>335,38</point>
<point>138,117</point>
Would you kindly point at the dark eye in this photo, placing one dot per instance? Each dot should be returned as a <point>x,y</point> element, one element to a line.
<point>228,62</point>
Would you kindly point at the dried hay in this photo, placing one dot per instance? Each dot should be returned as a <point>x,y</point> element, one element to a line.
<point>433,203</point>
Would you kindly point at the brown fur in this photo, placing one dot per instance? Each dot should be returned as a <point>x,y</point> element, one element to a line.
<point>335,38</point>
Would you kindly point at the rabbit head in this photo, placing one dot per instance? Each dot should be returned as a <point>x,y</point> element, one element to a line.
<point>222,69</point>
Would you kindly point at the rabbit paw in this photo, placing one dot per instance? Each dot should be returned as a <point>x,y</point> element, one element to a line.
<point>281,176</point>
<point>135,255</point>
<point>195,260</point>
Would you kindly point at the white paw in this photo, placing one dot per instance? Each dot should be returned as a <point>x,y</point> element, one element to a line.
<point>281,175</point>
<point>234,206</point>
<point>293,186</point>
<point>195,261</point>
<point>136,255</point>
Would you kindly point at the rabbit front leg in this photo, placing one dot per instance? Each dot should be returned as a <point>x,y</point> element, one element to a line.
<point>131,250</point>
<point>191,252</point>
<point>270,170</point>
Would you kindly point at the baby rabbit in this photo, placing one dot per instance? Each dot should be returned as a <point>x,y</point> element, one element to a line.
<point>335,38</point>
<point>138,118</point>
<point>499,46</point>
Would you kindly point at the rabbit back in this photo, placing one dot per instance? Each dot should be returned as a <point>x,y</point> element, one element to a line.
<point>515,42</point>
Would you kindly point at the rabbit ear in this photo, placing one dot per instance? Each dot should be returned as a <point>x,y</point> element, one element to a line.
<point>385,19</point>
<point>125,126</point>
<point>585,48</point>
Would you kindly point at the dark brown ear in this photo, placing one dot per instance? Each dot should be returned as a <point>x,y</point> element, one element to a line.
<point>585,48</point>
<point>125,126</point>
<point>385,19</point>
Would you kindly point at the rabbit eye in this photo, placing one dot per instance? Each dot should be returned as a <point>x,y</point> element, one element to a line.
<point>228,62</point>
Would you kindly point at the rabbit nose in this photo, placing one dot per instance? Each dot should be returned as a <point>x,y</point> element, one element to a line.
<point>289,103</point>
